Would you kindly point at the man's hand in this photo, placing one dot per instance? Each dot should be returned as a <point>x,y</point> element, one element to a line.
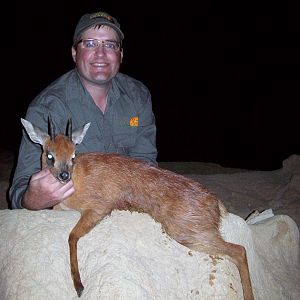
<point>45,191</point>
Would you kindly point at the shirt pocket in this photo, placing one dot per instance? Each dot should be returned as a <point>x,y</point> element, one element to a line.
<point>125,128</point>
<point>124,138</point>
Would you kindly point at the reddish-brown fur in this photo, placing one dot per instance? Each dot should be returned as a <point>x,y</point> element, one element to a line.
<point>188,212</point>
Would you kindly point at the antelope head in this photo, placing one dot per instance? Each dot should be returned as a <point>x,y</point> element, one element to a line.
<point>58,149</point>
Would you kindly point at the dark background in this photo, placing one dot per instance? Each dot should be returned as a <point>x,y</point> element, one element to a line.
<point>224,77</point>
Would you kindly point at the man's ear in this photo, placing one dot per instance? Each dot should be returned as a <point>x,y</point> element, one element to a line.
<point>74,51</point>
<point>121,60</point>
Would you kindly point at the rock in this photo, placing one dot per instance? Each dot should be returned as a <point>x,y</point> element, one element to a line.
<point>128,256</point>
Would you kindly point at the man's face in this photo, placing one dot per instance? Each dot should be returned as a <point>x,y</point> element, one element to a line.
<point>100,64</point>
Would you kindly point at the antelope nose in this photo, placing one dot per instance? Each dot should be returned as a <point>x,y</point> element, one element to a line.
<point>64,176</point>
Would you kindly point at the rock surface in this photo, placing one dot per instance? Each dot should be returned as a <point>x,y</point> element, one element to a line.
<point>128,256</point>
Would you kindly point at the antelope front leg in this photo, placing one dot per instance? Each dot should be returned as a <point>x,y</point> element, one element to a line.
<point>89,219</point>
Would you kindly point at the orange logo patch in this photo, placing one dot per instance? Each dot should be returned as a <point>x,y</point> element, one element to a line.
<point>134,121</point>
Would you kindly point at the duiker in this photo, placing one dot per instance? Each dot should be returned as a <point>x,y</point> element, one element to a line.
<point>188,212</point>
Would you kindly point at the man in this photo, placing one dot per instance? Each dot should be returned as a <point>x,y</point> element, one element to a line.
<point>118,107</point>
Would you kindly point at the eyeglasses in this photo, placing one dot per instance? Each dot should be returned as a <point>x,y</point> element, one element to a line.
<point>92,44</point>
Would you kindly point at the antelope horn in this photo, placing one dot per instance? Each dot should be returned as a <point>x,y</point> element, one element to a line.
<point>51,128</point>
<point>69,129</point>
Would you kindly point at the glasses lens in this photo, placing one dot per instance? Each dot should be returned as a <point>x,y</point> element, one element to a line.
<point>111,45</point>
<point>89,44</point>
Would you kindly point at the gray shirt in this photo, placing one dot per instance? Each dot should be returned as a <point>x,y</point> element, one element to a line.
<point>112,131</point>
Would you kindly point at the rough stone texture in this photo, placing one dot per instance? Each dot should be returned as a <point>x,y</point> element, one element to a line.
<point>127,256</point>
<point>244,192</point>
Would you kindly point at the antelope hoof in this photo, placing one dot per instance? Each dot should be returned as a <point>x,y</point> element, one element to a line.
<point>79,289</point>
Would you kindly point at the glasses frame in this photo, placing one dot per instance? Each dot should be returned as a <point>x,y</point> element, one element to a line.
<point>101,43</point>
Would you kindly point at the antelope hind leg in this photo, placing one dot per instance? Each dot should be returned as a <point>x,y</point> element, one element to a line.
<point>236,254</point>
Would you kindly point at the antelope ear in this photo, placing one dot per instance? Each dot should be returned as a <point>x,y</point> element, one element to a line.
<point>79,133</point>
<point>36,134</point>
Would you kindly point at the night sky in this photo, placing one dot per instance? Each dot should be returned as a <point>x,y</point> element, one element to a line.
<point>224,78</point>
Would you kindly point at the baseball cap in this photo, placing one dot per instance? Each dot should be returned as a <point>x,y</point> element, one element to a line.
<point>98,18</point>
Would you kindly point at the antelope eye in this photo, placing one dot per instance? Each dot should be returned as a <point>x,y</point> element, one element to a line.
<point>73,156</point>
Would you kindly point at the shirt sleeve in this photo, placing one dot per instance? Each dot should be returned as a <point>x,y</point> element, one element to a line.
<point>29,157</point>
<point>28,163</point>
